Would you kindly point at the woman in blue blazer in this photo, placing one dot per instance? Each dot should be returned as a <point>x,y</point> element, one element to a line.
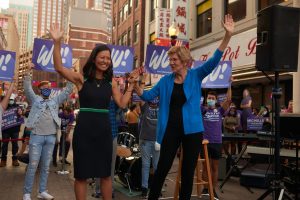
<point>180,119</point>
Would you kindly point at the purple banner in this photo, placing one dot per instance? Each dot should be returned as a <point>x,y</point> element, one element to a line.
<point>42,57</point>
<point>10,119</point>
<point>219,77</point>
<point>255,123</point>
<point>157,60</point>
<point>7,65</point>
<point>122,58</point>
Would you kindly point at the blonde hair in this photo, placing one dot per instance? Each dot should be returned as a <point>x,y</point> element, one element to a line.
<point>182,52</point>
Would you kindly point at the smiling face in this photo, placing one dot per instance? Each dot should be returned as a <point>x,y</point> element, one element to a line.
<point>102,61</point>
<point>176,64</point>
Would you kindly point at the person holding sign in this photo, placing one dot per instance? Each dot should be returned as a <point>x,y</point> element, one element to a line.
<point>212,121</point>
<point>92,140</point>
<point>12,119</point>
<point>4,104</point>
<point>246,105</point>
<point>180,119</point>
<point>43,121</point>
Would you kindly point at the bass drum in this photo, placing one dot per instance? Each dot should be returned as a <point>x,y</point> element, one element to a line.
<point>131,169</point>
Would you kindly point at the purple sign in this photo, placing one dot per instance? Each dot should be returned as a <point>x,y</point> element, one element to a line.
<point>42,57</point>
<point>10,119</point>
<point>7,65</point>
<point>221,98</point>
<point>157,60</point>
<point>122,58</point>
<point>136,98</point>
<point>219,77</point>
<point>255,123</point>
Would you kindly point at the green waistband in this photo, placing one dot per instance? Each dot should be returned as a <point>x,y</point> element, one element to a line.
<point>94,110</point>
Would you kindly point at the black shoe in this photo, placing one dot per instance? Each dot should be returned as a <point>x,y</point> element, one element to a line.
<point>96,195</point>
<point>66,162</point>
<point>144,192</point>
<point>205,191</point>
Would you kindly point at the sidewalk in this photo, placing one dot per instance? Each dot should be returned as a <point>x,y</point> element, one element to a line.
<point>61,186</point>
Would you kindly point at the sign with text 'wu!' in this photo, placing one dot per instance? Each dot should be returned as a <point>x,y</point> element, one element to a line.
<point>122,58</point>
<point>42,57</point>
<point>219,77</point>
<point>157,60</point>
<point>7,65</point>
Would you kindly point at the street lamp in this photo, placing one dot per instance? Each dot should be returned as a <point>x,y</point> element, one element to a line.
<point>173,33</point>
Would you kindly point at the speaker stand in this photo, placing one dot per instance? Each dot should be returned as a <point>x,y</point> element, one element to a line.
<point>277,187</point>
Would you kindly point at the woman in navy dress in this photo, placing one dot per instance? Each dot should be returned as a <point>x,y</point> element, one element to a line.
<point>92,140</point>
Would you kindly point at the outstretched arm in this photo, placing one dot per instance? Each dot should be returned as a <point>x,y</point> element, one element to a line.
<point>5,100</point>
<point>74,77</point>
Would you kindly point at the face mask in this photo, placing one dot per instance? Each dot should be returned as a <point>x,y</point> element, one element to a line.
<point>46,92</point>
<point>211,103</point>
<point>11,102</point>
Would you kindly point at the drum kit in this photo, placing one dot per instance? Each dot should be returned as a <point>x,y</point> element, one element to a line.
<point>129,162</point>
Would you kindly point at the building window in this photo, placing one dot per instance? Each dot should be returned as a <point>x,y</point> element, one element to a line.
<point>124,39</point>
<point>237,8</point>
<point>136,3</point>
<point>204,18</point>
<point>129,37</point>
<point>152,10</point>
<point>136,32</point>
<point>164,4</point>
<point>129,6</point>
<point>119,41</point>
<point>152,38</point>
<point>265,3</point>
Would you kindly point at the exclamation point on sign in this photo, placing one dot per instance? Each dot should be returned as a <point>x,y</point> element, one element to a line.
<point>127,52</point>
<point>64,54</point>
<point>224,67</point>
<point>7,59</point>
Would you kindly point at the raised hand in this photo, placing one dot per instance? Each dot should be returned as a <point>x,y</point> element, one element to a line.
<point>228,24</point>
<point>56,33</point>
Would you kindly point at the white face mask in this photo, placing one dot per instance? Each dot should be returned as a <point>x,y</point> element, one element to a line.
<point>11,102</point>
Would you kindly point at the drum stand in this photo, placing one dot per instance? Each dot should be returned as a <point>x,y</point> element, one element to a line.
<point>63,171</point>
<point>127,180</point>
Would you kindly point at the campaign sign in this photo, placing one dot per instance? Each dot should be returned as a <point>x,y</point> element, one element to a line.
<point>122,59</point>
<point>7,65</point>
<point>42,57</point>
<point>219,77</point>
<point>55,92</point>
<point>157,60</point>
<point>221,98</point>
<point>255,123</point>
<point>136,98</point>
<point>10,119</point>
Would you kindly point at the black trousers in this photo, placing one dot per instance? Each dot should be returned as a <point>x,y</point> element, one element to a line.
<point>191,145</point>
<point>67,147</point>
<point>15,146</point>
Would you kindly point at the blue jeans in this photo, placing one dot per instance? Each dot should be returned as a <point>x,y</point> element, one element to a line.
<point>148,150</point>
<point>40,149</point>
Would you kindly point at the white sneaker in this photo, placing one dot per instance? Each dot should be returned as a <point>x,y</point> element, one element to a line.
<point>26,197</point>
<point>44,195</point>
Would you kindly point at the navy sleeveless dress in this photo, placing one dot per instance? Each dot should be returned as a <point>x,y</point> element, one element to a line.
<point>92,139</point>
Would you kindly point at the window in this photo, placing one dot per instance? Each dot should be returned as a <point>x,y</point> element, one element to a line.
<point>119,41</point>
<point>265,3</point>
<point>125,11</point>
<point>152,10</point>
<point>136,32</point>
<point>124,39</point>
<point>129,6</point>
<point>237,8</point>
<point>136,3</point>
<point>152,38</point>
<point>164,4</point>
<point>120,17</point>
<point>129,37</point>
<point>204,18</point>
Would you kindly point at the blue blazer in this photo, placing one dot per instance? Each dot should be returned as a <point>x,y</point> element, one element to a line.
<point>192,117</point>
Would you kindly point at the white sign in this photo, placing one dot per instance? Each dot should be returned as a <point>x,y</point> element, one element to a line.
<point>163,22</point>
<point>181,18</point>
<point>241,50</point>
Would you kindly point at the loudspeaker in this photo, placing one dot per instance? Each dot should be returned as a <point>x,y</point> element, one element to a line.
<point>277,39</point>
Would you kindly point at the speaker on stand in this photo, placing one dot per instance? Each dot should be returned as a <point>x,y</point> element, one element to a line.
<point>277,51</point>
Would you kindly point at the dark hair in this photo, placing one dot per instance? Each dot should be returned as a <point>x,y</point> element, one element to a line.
<point>68,109</point>
<point>132,107</point>
<point>89,69</point>
<point>212,93</point>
